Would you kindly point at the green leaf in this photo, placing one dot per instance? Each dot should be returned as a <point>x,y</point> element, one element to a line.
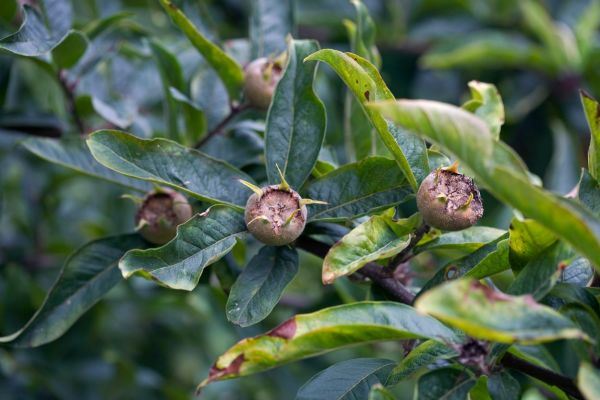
<point>70,49</point>
<point>379,237</point>
<point>588,381</point>
<point>39,33</point>
<point>498,168</point>
<point>200,242</point>
<point>259,287</point>
<point>527,240</point>
<point>164,162</point>
<point>487,104</point>
<point>589,192</point>
<point>468,240</point>
<point>485,49</point>
<point>228,70</point>
<point>195,120</point>
<point>363,34</point>
<point>270,23</point>
<point>86,277</point>
<point>486,314</point>
<point>592,113</point>
<point>307,335</point>
<point>366,84</point>
<point>74,154</point>
<point>296,119</point>
<point>444,383</point>
<point>502,386</point>
<point>96,27</point>
<point>357,189</point>
<point>421,356</point>
<point>378,392</point>
<point>487,260</point>
<point>579,272</point>
<point>346,380</point>
<point>540,274</point>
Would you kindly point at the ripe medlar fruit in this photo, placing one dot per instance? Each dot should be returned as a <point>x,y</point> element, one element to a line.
<point>448,200</point>
<point>162,210</point>
<point>260,80</point>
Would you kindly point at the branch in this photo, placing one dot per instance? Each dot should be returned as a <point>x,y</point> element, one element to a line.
<point>235,111</point>
<point>407,253</point>
<point>383,277</point>
<point>69,91</point>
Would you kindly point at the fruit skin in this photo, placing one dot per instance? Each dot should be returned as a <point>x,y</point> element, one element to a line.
<point>266,215</point>
<point>449,201</point>
<point>260,80</point>
<point>159,215</point>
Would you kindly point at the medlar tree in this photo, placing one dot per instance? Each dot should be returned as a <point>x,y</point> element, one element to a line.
<point>360,217</point>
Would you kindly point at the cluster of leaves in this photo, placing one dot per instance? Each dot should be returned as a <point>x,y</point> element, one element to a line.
<point>488,323</point>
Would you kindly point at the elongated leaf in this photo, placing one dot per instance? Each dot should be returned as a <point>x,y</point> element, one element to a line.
<point>588,381</point>
<point>540,274</point>
<point>346,380</point>
<point>74,154</point>
<point>270,22</point>
<point>195,120</point>
<point>467,240</point>
<point>357,189</point>
<point>491,253</point>
<point>498,168</point>
<point>379,237</point>
<point>260,285</point>
<point>70,49</point>
<point>296,119</point>
<point>378,392</point>
<point>226,67</point>
<point>363,79</point>
<point>165,162</point>
<point>85,278</point>
<point>527,239</point>
<point>502,386</point>
<point>486,314</point>
<point>444,383</point>
<point>308,335</point>
<point>200,242</point>
<point>40,33</point>
<point>592,113</point>
<point>423,355</point>
<point>487,104</point>
<point>589,192</point>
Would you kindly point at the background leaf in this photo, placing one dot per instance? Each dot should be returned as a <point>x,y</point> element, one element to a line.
<point>444,383</point>
<point>200,242</point>
<point>421,356</point>
<point>591,109</point>
<point>588,380</point>
<point>296,119</point>
<point>270,22</point>
<point>260,285</point>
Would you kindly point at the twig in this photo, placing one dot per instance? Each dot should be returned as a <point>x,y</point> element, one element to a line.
<point>235,111</point>
<point>406,254</point>
<point>69,91</point>
<point>383,277</point>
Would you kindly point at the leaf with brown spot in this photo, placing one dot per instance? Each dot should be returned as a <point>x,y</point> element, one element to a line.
<point>308,335</point>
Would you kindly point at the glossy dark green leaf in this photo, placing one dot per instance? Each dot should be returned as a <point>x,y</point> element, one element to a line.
<point>589,192</point>
<point>85,278</point>
<point>296,119</point>
<point>363,79</point>
<point>540,274</point>
<point>346,380</point>
<point>502,386</point>
<point>73,153</point>
<point>270,23</point>
<point>39,33</point>
<point>588,381</point>
<point>200,242</point>
<point>527,239</point>
<point>357,189</point>
<point>498,168</point>
<point>260,285</point>
<point>164,162</point>
<point>70,50</point>
<point>468,240</point>
<point>226,67</point>
<point>487,314</point>
<point>444,383</point>
<point>379,237</point>
<point>421,356</point>
<point>592,109</point>
<point>307,335</point>
<point>195,120</point>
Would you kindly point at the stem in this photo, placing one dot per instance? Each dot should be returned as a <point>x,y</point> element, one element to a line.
<point>545,375</point>
<point>69,91</point>
<point>407,253</point>
<point>383,277</point>
<point>235,111</point>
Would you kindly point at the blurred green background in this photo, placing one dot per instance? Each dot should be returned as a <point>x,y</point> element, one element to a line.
<point>143,341</point>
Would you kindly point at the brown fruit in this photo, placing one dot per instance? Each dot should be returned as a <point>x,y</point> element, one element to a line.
<point>449,201</point>
<point>261,77</point>
<point>160,213</point>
